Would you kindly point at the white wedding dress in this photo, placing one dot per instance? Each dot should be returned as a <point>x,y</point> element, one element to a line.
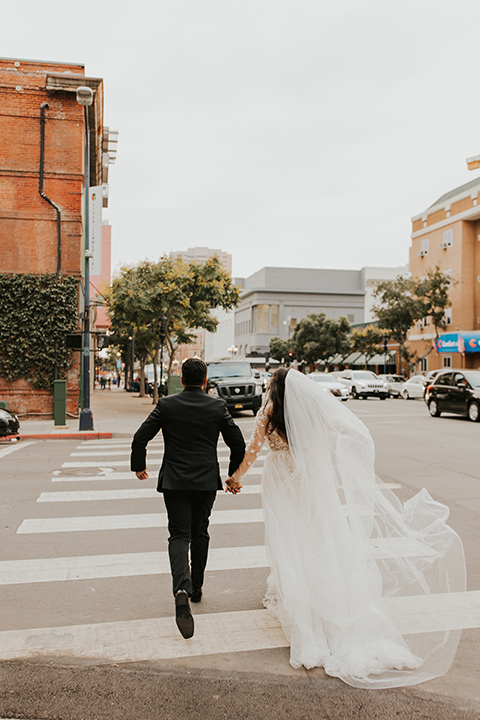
<point>343,550</point>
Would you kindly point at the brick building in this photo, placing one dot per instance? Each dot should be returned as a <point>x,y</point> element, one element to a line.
<point>41,191</point>
<point>447,235</point>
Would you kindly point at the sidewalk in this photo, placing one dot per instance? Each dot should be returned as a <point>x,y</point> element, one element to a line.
<point>116,413</point>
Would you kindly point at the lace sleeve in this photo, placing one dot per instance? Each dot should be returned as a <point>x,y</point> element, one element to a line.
<point>255,444</point>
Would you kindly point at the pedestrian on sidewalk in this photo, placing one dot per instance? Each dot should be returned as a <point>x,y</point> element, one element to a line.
<point>189,477</point>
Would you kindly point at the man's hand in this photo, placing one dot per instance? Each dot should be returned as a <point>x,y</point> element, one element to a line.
<point>142,475</point>
<point>233,486</point>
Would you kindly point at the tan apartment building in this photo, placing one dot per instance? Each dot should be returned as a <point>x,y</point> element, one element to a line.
<point>447,235</point>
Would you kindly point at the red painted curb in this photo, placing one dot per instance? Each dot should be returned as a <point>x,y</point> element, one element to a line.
<point>61,436</point>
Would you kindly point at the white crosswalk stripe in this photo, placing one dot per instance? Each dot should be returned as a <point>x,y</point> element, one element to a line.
<point>158,639</point>
<point>106,462</point>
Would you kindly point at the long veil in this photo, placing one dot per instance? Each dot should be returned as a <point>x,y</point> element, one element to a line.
<point>361,550</point>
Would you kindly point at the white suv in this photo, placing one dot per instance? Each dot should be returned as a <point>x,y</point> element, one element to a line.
<point>364,383</point>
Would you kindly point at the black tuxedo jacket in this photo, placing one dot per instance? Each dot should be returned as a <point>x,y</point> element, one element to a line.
<point>191,423</point>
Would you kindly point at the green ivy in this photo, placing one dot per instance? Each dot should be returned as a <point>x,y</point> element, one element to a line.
<point>36,311</point>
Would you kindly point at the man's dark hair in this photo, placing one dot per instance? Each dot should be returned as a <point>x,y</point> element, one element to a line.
<point>194,371</point>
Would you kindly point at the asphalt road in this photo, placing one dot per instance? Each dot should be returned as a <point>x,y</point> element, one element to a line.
<point>84,607</point>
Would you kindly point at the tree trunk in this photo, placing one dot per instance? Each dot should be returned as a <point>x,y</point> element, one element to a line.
<point>143,361</point>
<point>155,377</point>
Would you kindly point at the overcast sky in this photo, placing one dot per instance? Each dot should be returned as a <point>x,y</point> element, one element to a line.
<point>296,133</point>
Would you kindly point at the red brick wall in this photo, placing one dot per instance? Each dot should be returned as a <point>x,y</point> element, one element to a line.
<point>28,224</point>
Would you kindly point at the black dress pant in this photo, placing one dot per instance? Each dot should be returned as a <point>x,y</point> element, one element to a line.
<point>188,517</point>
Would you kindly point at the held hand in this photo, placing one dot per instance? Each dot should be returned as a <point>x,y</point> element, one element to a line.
<point>233,486</point>
<point>142,475</point>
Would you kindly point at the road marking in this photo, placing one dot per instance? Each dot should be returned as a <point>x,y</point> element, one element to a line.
<point>125,522</point>
<point>118,453</point>
<point>123,463</point>
<point>217,633</point>
<point>16,446</point>
<point>16,572</point>
<point>108,474</point>
<point>139,493</point>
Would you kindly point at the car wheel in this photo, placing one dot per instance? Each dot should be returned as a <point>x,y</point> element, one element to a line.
<point>383,397</point>
<point>473,412</point>
<point>433,408</point>
<point>405,395</point>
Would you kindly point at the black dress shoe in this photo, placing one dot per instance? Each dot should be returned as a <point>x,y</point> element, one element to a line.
<point>196,595</point>
<point>183,616</point>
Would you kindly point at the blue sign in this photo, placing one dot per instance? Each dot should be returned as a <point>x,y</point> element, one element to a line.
<point>459,342</point>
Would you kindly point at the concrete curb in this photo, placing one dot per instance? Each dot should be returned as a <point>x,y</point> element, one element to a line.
<point>87,435</point>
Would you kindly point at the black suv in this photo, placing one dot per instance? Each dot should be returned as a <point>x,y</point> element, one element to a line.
<point>455,391</point>
<point>235,383</point>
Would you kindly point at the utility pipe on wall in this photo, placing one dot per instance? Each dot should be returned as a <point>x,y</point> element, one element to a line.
<point>44,106</point>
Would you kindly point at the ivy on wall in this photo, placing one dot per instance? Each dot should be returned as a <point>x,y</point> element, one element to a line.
<point>35,313</point>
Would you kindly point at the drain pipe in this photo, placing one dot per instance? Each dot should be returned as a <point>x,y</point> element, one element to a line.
<point>44,106</point>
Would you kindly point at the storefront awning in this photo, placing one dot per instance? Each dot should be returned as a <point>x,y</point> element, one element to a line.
<point>459,342</point>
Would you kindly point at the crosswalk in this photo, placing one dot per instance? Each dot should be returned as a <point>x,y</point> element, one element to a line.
<point>144,638</point>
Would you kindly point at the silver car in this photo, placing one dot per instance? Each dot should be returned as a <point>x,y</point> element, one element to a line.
<point>332,384</point>
<point>395,384</point>
<point>364,384</point>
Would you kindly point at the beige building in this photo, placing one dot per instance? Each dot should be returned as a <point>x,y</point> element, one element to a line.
<point>447,235</point>
<point>202,254</point>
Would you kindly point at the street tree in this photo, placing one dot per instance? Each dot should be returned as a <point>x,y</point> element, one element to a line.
<point>432,293</point>
<point>398,308</point>
<point>318,339</point>
<point>367,341</point>
<point>279,349</point>
<point>170,298</point>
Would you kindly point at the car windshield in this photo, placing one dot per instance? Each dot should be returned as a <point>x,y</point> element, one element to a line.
<point>318,377</point>
<point>364,375</point>
<point>473,377</point>
<point>220,371</point>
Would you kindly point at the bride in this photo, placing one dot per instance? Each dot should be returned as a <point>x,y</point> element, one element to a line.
<point>341,546</point>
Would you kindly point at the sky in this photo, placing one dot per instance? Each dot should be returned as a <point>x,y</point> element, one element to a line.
<point>294,133</point>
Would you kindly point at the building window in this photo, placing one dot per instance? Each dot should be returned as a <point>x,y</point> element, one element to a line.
<point>448,317</point>
<point>447,239</point>
<point>423,323</point>
<point>447,361</point>
<point>423,247</point>
<point>351,318</point>
<point>423,364</point>
<point>265,318</point>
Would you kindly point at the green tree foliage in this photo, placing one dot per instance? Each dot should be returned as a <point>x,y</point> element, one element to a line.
<point>432,293</point>
<point>169,295</point>
<point>398,309</point>
<point>317,339</point>
<point>279,349</point>
<point>36,311</point>
<point>404,301</point>
<point>367,341</point>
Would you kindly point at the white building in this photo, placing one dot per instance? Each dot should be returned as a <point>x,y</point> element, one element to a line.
<point>372,277</point>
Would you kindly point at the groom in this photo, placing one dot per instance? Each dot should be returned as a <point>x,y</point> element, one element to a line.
<point>189,477</point>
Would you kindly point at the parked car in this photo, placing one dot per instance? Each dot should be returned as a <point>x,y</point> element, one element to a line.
<point>9,423</point>
<point>331,384</point>
<point>455,391</point>
<point>413,388</point>
<point>235,383</point>
<point>364,384</point>
<point>395,384</point>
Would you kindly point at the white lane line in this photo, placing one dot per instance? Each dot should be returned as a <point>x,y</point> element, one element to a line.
<point>216,633</point>
<point>125,522</point>
<point>16,572</point>
<point>126,463</point>
<point>139,493</point>
<point>16,446</point>
<point>124,494</point>
<point>107,476</point>
<point>118,453</point>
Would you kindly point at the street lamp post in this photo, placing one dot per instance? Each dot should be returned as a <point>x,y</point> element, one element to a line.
<point>385,338</point>
<point>85,98</point>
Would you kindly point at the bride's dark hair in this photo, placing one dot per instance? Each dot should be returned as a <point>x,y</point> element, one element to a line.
<point>276,396</point>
